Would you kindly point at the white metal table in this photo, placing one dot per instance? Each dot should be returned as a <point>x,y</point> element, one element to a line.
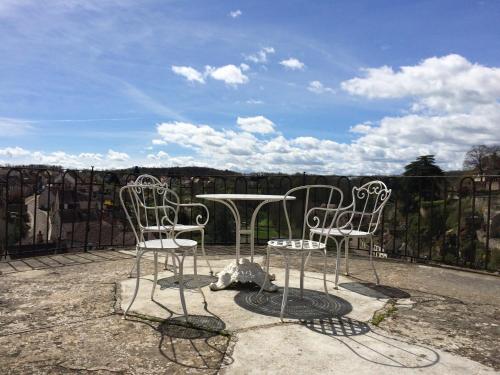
<point>243,270</point>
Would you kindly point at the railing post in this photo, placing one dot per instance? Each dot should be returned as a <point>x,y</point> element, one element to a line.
<point>89,202</point>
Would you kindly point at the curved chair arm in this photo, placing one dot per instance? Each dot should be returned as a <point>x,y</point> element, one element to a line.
<point>199,218</point>
<point>347,227</point>
<point>326,211</point>
<point>177,234</point>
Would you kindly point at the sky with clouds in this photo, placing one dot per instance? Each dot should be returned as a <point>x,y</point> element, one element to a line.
<point>331,87</point>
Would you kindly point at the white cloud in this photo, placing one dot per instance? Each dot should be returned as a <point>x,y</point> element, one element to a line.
<point>318,88</point>
<point>293,64</point>
<point>19,155</point>
<point>443,84</point>
<point>260,57</point>
<point>158,142</point>
<point>230,74</point>
<point>445,119</point>
<point>453,104</point>
<point>12,127</point>
<point>235,13</point>
<point>117,156</point>
<point>158,156</point>
<point>244,67</point>
<point>13,152</point>
<point>257,124</point>
<point>254,101</point>
<point>189,73</point>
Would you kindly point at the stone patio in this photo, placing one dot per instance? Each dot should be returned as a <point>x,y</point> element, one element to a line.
<point>62,314</point>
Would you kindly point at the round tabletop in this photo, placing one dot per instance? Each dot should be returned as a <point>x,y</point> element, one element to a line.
<point>245,197</point>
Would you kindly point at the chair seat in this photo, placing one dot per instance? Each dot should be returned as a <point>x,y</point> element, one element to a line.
<point>178,227</point>
<point>334,232</point>
<point>167,243</point>
<point>296,244</point>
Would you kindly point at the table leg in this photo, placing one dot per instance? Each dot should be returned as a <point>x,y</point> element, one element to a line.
<point>243,270</point>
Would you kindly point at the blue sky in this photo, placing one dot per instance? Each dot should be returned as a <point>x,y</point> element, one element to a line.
<point>324,86</point>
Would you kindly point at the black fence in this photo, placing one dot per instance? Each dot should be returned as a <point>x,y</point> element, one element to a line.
<point>452,219</point>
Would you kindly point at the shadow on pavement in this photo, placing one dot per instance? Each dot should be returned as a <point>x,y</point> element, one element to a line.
<point>375,291</point>
<point>313,304</point>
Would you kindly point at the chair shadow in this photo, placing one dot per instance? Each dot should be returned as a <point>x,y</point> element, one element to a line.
<point>372,346</point>
<point>190,281</point>
<point>374,290</point>
<point>198,343</point>
<point>312,305</point>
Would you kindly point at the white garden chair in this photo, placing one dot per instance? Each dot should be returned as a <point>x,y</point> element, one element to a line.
<point>151,208</point>
<point>359,220</point>
<point>318,214</point>
<point>201,221</point>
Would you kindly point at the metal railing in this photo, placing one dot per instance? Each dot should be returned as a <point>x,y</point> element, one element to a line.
<point>446,219</point>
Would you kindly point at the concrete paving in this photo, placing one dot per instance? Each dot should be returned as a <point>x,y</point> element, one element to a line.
<point>320,335</point>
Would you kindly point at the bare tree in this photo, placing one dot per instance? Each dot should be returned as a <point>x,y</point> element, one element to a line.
<point>482,158</point>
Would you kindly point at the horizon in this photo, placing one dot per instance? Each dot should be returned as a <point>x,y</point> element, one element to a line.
<point>327,88</point>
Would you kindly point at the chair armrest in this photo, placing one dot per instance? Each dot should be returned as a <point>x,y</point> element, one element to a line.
<point>200,217</point>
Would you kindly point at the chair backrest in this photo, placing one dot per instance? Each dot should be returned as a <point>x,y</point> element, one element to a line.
<point>368,202</point>
<point>318,205</point>
<point>150,207</point>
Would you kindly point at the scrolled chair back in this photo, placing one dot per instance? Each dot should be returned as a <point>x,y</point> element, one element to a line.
<point>368,202</point>
<point>319,206</point>
<point>150,207</point>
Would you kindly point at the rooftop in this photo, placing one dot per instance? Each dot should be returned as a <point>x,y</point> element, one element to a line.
<point>63,314</point>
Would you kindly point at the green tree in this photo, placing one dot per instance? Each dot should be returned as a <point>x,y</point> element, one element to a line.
<point>421,182</point>
<point>424,165</point>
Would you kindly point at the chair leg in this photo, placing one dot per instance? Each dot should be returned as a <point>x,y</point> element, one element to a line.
<point>266,280</point>
<point>165,265</point>
<point>181,286</point>
<point>302,265</point>
<point>202,232</point>
<point>138,270</point>
<point>324,273</point>
<point>372,264</point>
<point>133,266</point>
<point>346,239</point>
<point>337,264</point>
<point>285,291</point>
<point>155,276</point>
<point>174,264</point>
<point>195,262</point>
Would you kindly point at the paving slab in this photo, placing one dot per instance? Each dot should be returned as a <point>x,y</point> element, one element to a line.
<point>317,349</point>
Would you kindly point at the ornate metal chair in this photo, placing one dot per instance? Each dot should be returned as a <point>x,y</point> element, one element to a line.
<point>319,214</point>
<point>152,208</point>
<point>200,221</point>
<point>360,219</point>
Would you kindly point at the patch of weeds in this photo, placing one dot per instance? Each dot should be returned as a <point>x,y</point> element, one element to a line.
<point>389,310</point>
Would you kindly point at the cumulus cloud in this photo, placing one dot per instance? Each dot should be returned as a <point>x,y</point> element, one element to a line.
<point>117,156</point>
<point>292,64</point>
<point>19,155</point>
<point>257,124</point>
<point>13,152</point>
<point>189,73</point>
<point>235,13</point>
<point>318,88</point>
<point>441,84</point>
<point>453,105</point>
<point>260,57</point>
<point>229,74</point>
<point>442,118</point>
